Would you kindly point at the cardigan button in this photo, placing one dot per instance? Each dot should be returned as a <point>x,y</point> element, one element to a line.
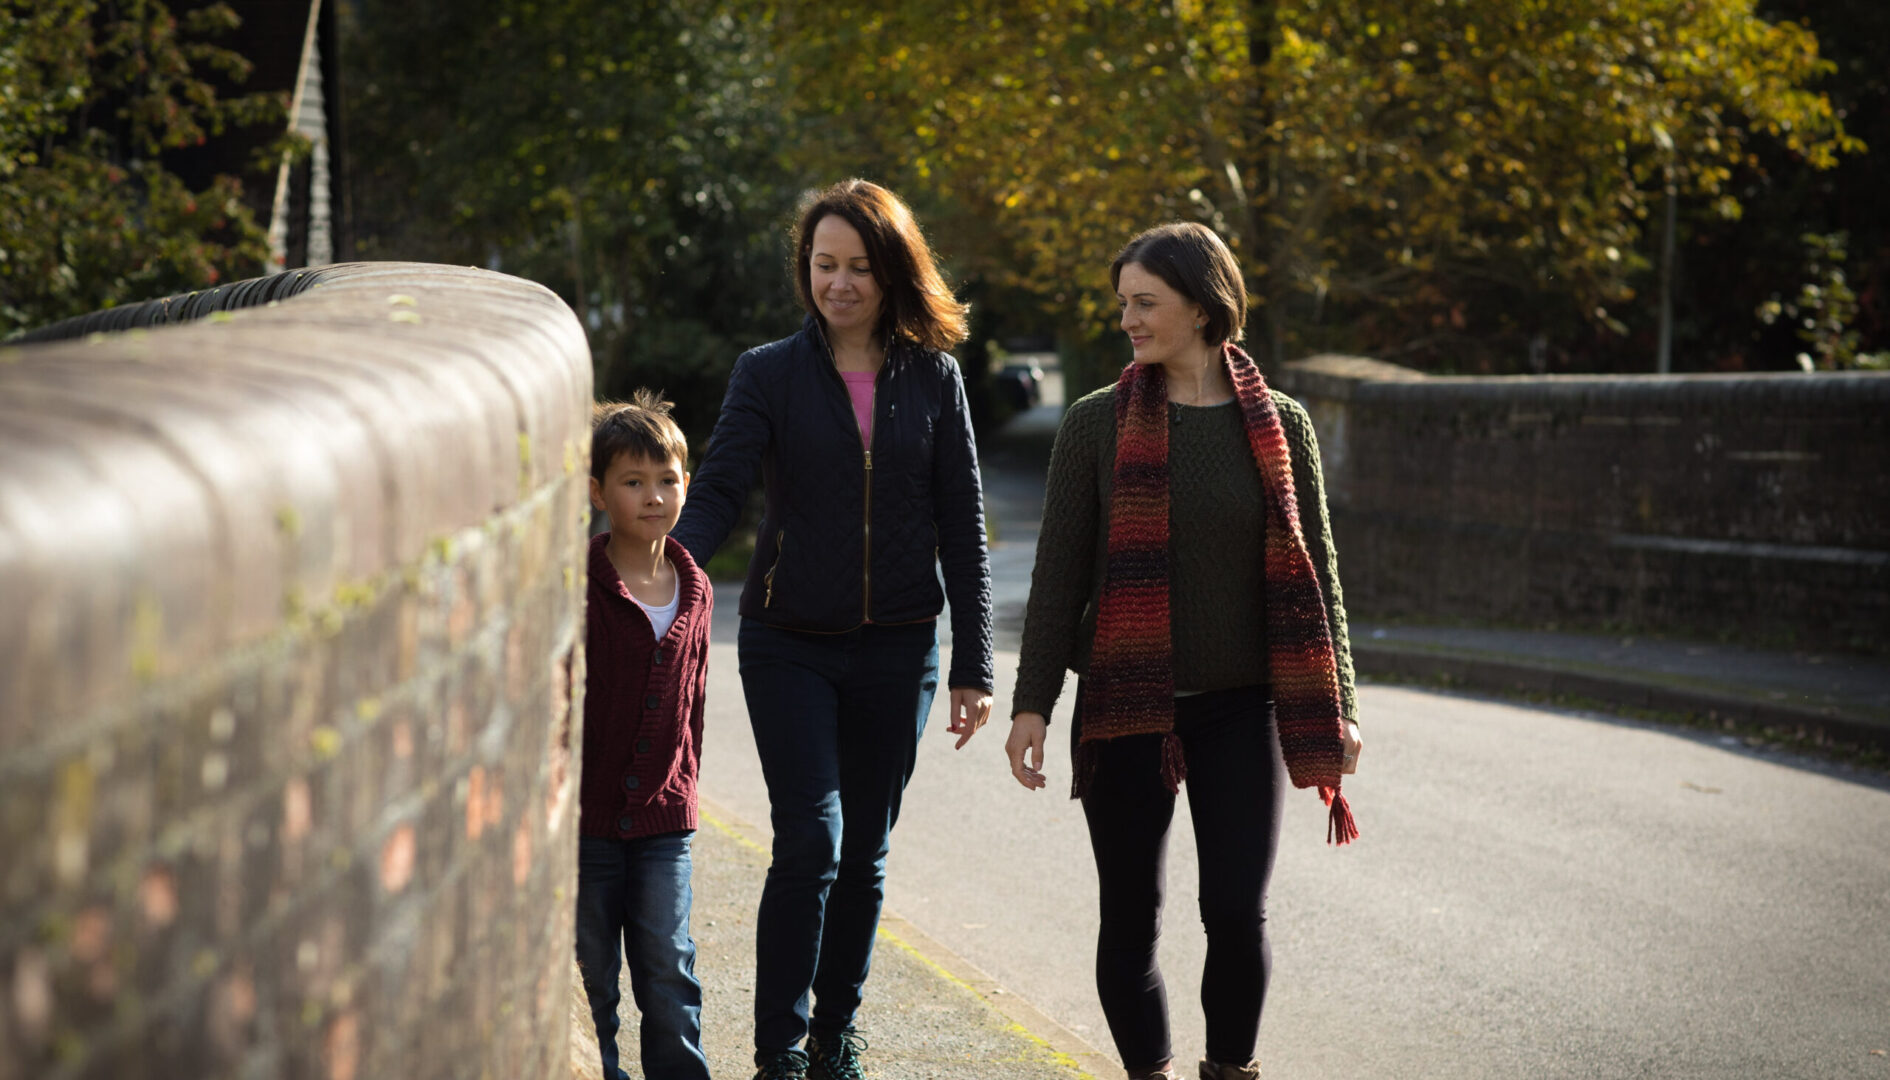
<point>624,823</point>
<point>632,783</point>
<point>643,746</point>
<point>652,701</point>
<point>656,657</point>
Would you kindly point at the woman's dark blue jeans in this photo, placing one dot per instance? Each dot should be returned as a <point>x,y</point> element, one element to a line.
<point>633,902</point>
<point>837,720</point>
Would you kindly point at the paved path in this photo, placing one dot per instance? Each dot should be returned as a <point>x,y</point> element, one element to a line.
<point>922,1020</point>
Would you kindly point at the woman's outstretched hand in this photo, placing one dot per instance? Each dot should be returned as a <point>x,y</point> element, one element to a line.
<point>1027,731</point>
<point>971,710</point>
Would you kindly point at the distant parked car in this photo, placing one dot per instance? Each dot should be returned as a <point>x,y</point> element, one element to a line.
<point>1021,384</point>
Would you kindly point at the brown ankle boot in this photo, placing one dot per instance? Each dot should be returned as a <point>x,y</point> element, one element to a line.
<point>1214,1071</point>
<point>1164,1071</point>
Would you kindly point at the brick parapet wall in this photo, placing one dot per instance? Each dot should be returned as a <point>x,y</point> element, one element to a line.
<point>288,655</point>
<point>1747,507</point>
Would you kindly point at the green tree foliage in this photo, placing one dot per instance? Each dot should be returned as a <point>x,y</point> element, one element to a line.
<point>1439,181</point>
<point>93,94</point>
<point>625,154</point>
<point>1824,312</point>
<point>1780,246</point>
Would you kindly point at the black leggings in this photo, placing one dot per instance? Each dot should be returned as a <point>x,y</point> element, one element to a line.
<point>1236,784</point>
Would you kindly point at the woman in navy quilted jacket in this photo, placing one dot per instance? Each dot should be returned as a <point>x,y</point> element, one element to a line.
<point>858,427</point>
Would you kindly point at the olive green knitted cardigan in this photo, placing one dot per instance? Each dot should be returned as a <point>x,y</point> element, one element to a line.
<point>1084,511</point>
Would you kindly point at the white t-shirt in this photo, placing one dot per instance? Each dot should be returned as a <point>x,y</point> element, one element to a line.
<point>662,617</point>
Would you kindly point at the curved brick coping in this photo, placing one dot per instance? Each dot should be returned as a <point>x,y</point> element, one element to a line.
<point>172,493</point>
<point>185,307</point>
<point>290,635</point>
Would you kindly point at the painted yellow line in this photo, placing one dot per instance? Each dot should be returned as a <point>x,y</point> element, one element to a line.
<point>1056,1055</point>
<point>730,831</point>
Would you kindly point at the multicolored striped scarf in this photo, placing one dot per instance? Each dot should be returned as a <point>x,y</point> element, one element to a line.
<point>1130,686</point>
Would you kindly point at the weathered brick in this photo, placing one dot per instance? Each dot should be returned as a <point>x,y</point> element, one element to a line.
<point>285,727</point>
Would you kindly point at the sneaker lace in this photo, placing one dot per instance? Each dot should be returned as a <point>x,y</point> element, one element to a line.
<point>841,1058</point>
<point>786,1065</point>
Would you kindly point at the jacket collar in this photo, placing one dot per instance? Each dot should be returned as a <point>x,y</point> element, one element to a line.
<point>815,332</point>
<point>692,585</point>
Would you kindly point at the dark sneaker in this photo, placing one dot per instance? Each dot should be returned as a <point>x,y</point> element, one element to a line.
<point>1214,1071</point>
<point>786,1065</point>
<point>835,1058</point>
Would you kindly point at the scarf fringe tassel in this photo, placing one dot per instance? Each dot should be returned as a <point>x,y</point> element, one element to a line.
<point>1340,826</point>
<point>1174,763</point>
<point>1082,769</point>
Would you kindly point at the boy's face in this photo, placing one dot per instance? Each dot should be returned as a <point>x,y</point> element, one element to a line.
<point>642,497</point>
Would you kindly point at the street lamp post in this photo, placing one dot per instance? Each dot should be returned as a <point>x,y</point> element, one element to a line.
<point>1664,356</point>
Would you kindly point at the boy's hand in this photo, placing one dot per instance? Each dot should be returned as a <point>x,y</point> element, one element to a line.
<point>971,708</point>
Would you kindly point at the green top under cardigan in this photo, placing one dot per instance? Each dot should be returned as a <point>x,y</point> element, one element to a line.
<point>1217,565</point>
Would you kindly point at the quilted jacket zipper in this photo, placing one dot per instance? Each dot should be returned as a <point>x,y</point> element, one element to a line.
<point>866,544</point>
<point>866,517</point>
<point>768,578</point>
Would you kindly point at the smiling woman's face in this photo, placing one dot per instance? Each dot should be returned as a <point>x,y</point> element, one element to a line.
<point>1160,322</point>
<point>841,276</point>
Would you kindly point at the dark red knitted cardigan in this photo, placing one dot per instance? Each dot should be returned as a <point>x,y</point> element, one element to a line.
<point>642,703</point>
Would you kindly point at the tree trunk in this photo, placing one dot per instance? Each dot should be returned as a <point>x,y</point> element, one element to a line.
<point>1263,190</point>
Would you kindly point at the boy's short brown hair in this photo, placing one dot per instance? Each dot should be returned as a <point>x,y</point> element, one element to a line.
<point>641,427</point>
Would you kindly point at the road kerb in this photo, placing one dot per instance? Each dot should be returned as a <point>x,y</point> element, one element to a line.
<point>1624,688</point>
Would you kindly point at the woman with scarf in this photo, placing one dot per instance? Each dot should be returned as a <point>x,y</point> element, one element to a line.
<point>1186,572</point>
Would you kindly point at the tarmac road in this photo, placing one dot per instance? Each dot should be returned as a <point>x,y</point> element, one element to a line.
<point>1536,893</point>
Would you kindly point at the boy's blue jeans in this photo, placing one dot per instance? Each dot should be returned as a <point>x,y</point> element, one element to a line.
<point>633,902</point>
<point>837,720</point>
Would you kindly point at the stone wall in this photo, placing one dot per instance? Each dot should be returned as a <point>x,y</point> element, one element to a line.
<point>1743,507</point>
<point>288,650</point>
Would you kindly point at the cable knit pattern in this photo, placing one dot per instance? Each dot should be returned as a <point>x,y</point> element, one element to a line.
<point>643,702</point>
<point>1206,452</point>
<point>1276,613</point>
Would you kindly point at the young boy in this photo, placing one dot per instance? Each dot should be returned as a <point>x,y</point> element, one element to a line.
<point>647,645</point>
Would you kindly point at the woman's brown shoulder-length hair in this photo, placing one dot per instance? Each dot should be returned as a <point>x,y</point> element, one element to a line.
<point>1195,262</point>
<point>917,303</point>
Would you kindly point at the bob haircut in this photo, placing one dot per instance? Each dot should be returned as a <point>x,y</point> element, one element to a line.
<point>1193,261</point>
<point>917,304</point>
<point>642,428</point>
